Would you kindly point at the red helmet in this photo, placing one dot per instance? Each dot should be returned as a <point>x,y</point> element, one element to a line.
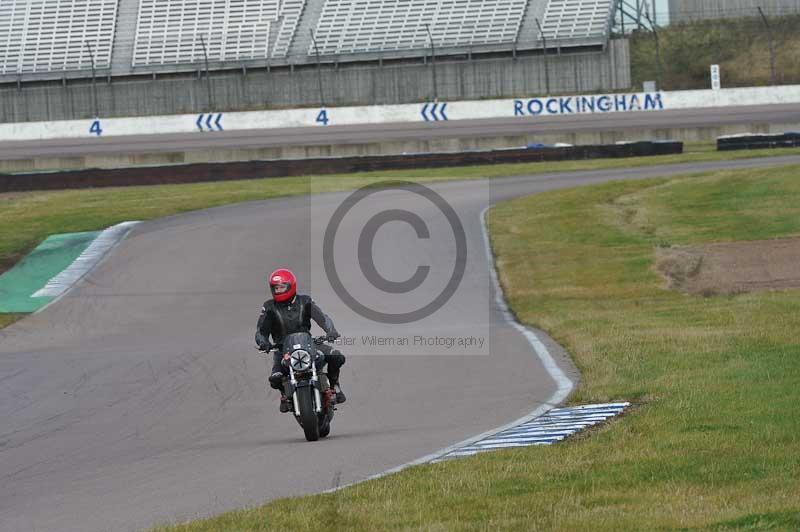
<point>283,285</point>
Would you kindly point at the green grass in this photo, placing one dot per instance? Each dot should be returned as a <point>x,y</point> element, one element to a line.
<point>714,443</point>
<point>740,47</point>
<point>27,218</point>
<point>8,319</point>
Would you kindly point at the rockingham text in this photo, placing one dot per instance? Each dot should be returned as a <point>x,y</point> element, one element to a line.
<point>607,103</point>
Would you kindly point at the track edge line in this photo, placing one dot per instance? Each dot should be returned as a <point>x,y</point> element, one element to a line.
<point>564,385</point>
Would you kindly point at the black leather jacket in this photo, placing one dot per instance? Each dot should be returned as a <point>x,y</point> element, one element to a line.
<point>279,319</point>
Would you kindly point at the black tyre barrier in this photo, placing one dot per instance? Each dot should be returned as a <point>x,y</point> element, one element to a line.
<point>752,142</point>
<point>204,172</point>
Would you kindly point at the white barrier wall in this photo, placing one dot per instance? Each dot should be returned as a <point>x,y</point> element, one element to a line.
<point>429,112</point>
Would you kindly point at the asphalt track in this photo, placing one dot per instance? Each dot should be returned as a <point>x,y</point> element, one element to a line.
<point>530,125</point>
<point>138,398</point>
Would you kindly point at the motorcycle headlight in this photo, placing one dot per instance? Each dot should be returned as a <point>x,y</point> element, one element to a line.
<point>300,360</point>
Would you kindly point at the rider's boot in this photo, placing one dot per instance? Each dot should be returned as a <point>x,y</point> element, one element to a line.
<point>276,383</point>
<point>340,396</point>
<point>286,404</point>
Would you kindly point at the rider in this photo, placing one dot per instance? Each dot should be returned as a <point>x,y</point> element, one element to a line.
<point>287,313</point>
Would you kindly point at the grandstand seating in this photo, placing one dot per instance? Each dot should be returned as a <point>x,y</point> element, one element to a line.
<point>570,19</point>
<point>170,31</point>
<point>356,26</point>
<point>290,13</point>
<point>52,35</point>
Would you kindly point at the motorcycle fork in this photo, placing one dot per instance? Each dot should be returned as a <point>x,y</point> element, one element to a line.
<point>315,383</point>
<point>295,404</point>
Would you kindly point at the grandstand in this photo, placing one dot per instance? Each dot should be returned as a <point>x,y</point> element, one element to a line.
<point>363,26</point>
<point>150,56</point>
<point>53,36</point>
<point>290,13</point>
<point>53,39</point>
<point>174,31</point>
<point>577,19</point>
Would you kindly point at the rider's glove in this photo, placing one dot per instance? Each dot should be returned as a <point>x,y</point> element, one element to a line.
<point>333,336</point>
<point>264,347</point>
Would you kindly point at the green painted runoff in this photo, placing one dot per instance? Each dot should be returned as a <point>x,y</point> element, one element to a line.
<point>50,258</point>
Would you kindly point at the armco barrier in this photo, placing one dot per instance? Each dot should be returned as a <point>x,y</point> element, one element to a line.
<point>751,142</point>
<point>194,173</point>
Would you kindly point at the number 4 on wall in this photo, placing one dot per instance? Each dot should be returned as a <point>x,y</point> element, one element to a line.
<point>322,117</point>
<point>96,129</point>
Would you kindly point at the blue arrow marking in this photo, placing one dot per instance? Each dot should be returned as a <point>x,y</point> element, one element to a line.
<point>435,111</point>
<point>208,122</point>
<point>216,122</point>
<point>200,122</point>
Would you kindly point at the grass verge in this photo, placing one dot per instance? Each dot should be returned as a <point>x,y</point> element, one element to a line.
<point>27,218</point>
<point>8,319</point>
<point>739,45</point>
<point>715,442</point>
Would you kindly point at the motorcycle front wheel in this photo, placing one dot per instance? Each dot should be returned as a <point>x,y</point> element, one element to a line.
<point>308,416</point>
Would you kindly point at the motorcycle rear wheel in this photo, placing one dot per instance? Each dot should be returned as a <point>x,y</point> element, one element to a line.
<point>308,416</point>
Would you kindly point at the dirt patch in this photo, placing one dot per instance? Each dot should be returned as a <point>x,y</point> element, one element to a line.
<point>731,268</point>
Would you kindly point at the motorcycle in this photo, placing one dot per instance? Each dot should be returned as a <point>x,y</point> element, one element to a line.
<point>313,399</point>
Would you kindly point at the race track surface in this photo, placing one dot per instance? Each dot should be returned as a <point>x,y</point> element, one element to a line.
<point>359,134</point>
<point>138,398</point>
